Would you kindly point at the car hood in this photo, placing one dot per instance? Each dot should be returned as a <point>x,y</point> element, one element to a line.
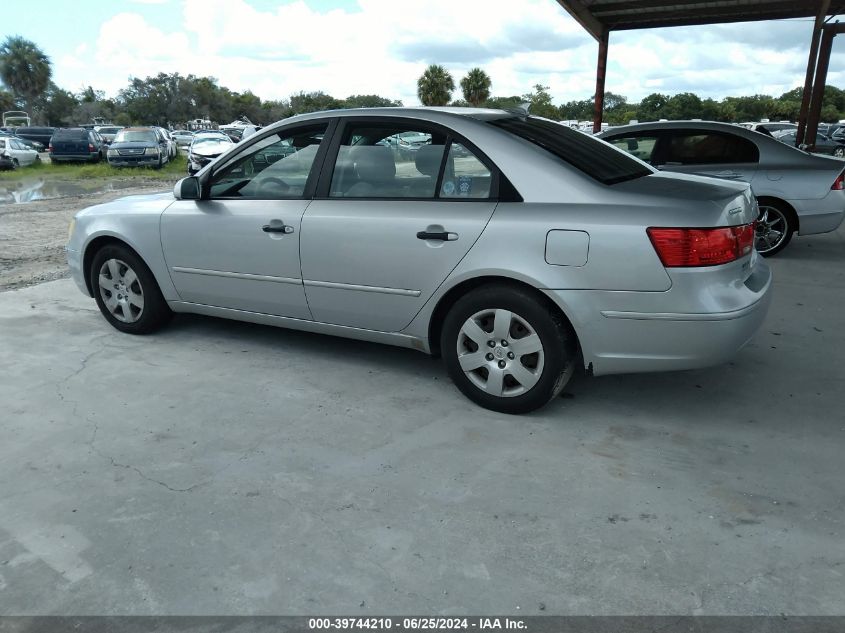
<point>211,148</point>
<point>131,205</point>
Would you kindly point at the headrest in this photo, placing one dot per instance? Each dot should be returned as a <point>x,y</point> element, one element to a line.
<point>428,159</point>
<point>374,163</point>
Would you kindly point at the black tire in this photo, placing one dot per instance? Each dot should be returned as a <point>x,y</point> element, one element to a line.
<point>559,348</point>
<point>839,152</point>
<point>155,313</point>
<point>776,217</point>
<point>15,163</point>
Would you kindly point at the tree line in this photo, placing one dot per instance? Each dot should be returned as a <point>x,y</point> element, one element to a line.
<point>26,73</point>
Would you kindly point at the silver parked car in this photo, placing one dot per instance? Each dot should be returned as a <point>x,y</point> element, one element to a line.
<point>514,247</point>
<point>798,192</point>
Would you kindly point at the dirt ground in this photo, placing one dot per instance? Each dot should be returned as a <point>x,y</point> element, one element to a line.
<point>33,234</point>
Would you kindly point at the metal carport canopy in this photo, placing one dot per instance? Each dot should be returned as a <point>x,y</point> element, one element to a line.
<point>599,17</point>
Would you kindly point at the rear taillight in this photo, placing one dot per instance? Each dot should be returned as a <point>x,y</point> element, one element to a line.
<point>839,183</point>
<point>90,147</point>
<point>50,147</point>
<point>701,247</point>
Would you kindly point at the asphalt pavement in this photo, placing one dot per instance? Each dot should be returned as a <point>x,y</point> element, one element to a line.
<point>226,468</point>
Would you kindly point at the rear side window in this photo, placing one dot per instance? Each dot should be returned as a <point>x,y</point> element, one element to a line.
<point>709,148</point>
<point>379,161</point>
<point>641,147</point>
<point>585,153</point>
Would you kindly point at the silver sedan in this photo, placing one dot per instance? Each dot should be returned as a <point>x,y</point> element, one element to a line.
<point>798,192</point>
<point>517,249</point>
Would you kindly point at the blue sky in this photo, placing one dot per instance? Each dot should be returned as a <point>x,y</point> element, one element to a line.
<point>276,48</point>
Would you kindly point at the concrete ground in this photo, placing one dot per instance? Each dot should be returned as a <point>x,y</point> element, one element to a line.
<point>226,468</point>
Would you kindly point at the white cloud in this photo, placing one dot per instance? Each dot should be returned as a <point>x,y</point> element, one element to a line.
<point>384,45</point>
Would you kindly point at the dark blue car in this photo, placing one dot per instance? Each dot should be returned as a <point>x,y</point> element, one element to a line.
<point>138,147</point>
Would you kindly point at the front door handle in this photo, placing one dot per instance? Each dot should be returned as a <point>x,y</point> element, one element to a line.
<point>277,228</point>
<point>440,236</point>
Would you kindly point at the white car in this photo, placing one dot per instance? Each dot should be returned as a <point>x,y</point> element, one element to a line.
<point>19,154</point>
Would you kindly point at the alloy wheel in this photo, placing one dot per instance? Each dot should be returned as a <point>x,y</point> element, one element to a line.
<point>771,229</point>
<point>121,291</point>
<point>500,352</point>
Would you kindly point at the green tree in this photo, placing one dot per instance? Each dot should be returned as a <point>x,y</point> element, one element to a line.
<point>476,87</point>
<point>503,103</point>
<point>25,69</point>
<point>313,102</point>
<point>56,106</point>
<point>652,107</point>
<point>369,101</point>
<point>684,105</point>
<point>540,103</point>
<point>435,86</point>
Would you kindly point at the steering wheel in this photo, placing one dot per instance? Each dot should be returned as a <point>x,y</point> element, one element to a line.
<point>271,186</point>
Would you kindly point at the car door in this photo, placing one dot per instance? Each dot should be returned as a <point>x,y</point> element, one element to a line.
<point>706,152</point>
<point>388,226</point>
<point>24,154</point>
<point>239,247</point>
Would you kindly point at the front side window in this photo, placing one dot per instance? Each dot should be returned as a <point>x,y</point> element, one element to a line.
<point>379,161</point>
<point>276,167</point>
<point>709,148</point>
<point>641,147</point>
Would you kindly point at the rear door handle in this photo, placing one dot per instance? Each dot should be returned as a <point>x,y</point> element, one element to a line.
<point>440,236</point>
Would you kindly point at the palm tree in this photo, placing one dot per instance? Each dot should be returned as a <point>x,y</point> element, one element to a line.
<point>476,86</point>
<point>24,68</point>
<point>435,86</point>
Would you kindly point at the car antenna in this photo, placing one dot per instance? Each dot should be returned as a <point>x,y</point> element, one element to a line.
<point>520,110</point>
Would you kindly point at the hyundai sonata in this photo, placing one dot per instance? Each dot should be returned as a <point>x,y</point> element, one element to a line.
<point>515,248</point>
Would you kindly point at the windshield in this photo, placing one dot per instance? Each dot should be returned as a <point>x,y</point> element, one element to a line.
<point>109,130</point>
<point>135,136</point>
<point>215,138</point>
<point>587,154</point>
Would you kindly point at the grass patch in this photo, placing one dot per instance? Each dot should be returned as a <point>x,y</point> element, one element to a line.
<point>173,170</point>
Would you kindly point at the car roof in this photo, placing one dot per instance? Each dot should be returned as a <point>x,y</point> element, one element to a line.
<point>442,114</point>
<point>138,129</point>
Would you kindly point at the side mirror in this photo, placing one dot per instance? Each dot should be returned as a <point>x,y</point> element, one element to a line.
<point>187,189</point>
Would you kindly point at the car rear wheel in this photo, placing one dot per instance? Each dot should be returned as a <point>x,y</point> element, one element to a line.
<point>126,291</point>
<point>506,350</point>
<point>774,228</point>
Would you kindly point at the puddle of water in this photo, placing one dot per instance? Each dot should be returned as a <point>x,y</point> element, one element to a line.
<point>32,189</point>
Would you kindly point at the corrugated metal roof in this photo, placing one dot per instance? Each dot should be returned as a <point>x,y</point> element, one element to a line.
<point>616,15</point>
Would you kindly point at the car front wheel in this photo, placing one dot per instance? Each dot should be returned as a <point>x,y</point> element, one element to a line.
<point>506,349</point>
<point>126,291</point>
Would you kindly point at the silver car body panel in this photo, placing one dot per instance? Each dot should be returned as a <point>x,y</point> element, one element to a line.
<point>355,268</point>
<point>797,177</point>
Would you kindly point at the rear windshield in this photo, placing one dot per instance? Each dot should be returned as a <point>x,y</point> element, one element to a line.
<point>135,136</point>
<point>109,130</point>
<point>70,135</point>
<point>587,154</point>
